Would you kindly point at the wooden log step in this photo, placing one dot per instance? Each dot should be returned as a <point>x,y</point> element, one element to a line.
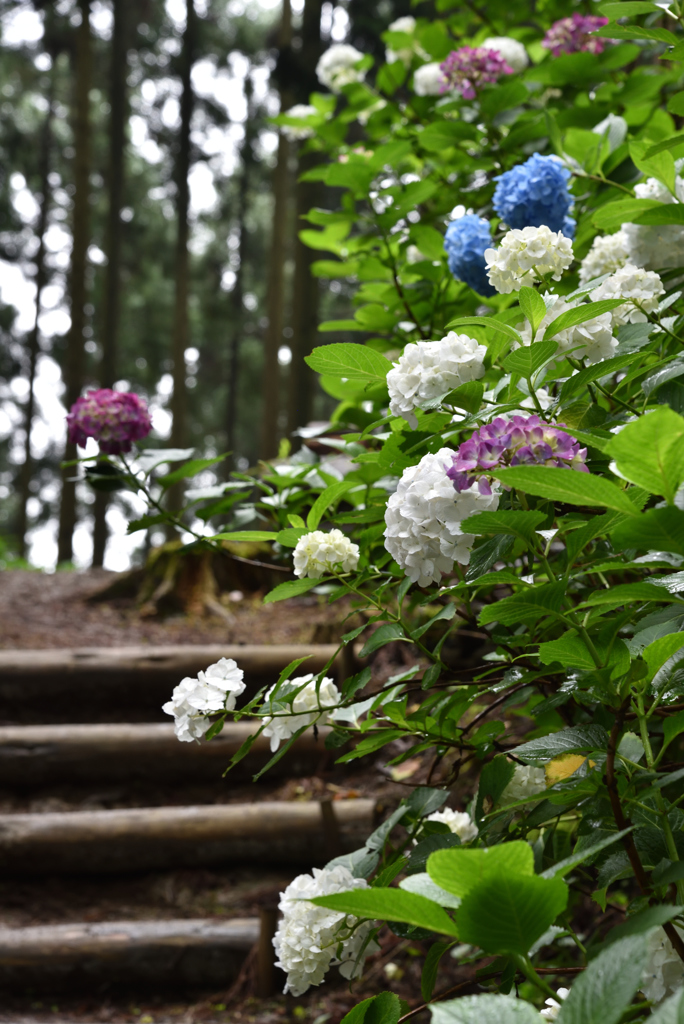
<point>99,683</point>
<point>182,954</point>
<point>140,839</point>
<point>39,755</point>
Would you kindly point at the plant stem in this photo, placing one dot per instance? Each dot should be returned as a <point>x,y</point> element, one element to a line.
<point>525,965</point>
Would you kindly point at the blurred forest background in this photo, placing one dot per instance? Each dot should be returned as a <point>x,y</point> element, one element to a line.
<point>149,219</point>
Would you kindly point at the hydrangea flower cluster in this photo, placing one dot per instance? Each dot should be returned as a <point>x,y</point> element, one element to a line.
<point>535,193</point>
<point>318,553</point>
<point>656,247</point>
<point>642,287</point>
<point>293,132</point>
<point>427,370</point>
<point>525,256</point>
<point>303,710</point>
<point>468,69</point>
<point>527,783</point>
<point>310,939</point>
<point>114,418</point>
<point>429,80</point>
<point>664,972</point>
<point>193,700</point>
<point>519,441</point>
<point>466,241</point>
<point>423,520</point>
<point>592,340</point>
<point>406,25</point>
<point>607,254</point>
<point>573,35</point>
<point>337,67</point>
<point>458,822</point>
<point>512,51</point>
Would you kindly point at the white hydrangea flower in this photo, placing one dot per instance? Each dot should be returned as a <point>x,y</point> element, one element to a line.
<point>664,971</point>
<point>629,282</point>
<point>607,254</point>
<point>310,939</point>
<point>615,129</point>
<point>662,246</point>
<point>512,51</point>
<point>423,519</point>
<point>429,80</point>
<point>527,782</point>
<point>525,255</point>
<point>193,700</point>
<point>337,66</point>
<point>553,1006</point>
<point>406,25</point>
<point>307,707</point>
<point>295,133</point>
<point>592,340</point>
<point>318,553</point>
<point>460,823</point>
<point>428,369</point>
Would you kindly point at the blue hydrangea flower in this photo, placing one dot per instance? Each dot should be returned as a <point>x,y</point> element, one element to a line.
<point>535,193</point>
<point>465,242</point>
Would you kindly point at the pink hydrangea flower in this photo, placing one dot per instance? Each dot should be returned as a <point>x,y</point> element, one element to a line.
<point>114,418</point>
<point>470,68</point>
<point>573,35</point>
<point>519,441</point>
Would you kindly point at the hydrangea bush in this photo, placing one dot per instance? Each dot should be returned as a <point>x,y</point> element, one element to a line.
<point>511,430</point>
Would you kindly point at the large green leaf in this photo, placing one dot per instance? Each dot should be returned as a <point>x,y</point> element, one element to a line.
<point>486,1009</point>
<point>355,362</point>
<point>627,593</point>
<point>391,905</point>
<point>531,603</point>
<point>564,866</point>
<point>293,588</point>
<point>612,216</point>
<point>485,321</point>
<point>658,529</point>
<point>533,306</point>
<point>459,871</point>
<point>508,912</point>
<point>567,485</point>
<point>595,372</point>
<point>384,1008</point>
<point>671,1011</point>
<point>650,453</point>
<point>516,523</point>
<point>602,993</point>
<point>570,651</point>
<point>628,9</point>
<point>327,498</point>
<point>578,739</point>
<point>579,315</point>
<point>530,358</point>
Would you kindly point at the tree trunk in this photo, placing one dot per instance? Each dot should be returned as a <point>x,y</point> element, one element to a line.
<point>276,280</point>
<point>305,290</point>
<point>73,368</point>
<point>179,430</point>
<point>33,340</point>
<point>112,294</point>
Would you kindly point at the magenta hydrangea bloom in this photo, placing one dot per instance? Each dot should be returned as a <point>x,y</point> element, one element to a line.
<point>519,441</point>
<point>470,68</point>
<point>114,418</point>
<point>573,35</point>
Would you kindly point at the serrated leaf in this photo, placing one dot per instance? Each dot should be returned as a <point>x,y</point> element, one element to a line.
<point>507,913</point>
<point>422,884</point>
<point>567,485</point>
<point>564,866</point>
<point>293,588</point>
<point>384,1008</point>
<point>578,739</point>
<point>191,468</point>
<point>665,213</point>
<point>570,651</point>
<point>485,1009</point>
<point>430,967</point>
<point>461,870</point>
<point>628,593</point>
<point>383,635</point>
<point>486,321</point>
<point>516,523</point>
<point>579,315</point>
<point>247,536</point>
<point>530,358</point>
<point>327,498</point>
<point>602,993</point>
<point>533,306</point>
<point>391,905</point>
<point>494,778</point>
<point>649,452</point>
<point>595,372</point>
<point>533,602</point>
<point>612,216</point>
<point>628,9</point>
<point>355,362</point>
<point>658,529</point>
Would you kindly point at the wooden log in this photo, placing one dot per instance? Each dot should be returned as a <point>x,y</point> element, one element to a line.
<point>99,683</point>
<point>40,755</point>
<point>139,839</point>
<point>182,954</point>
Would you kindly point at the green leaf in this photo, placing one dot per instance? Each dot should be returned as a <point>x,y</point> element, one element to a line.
<point>247,536</point>
<point>671,1011</point>
<point>665,213</point>
<point>579,315</point>
<point>507,913</point>
<point>468,396</point>
<point>486,1009</point>
<point>612,216</point>
<point>602,993</point>
<point>494,778</point>
<point>383,635</point>
<point>355,362</point>
<point>661,650</point>
<point>533,306</point>
<point>530,358</point>
<point>384,1008</point>
<point>655,35</point>
<point>661,166</point>
<point>440,135</point>
<point>564,866</point>
<point>658,529</point>
<point>673,727</point>
<point>391,905</point>
<point>595,372</point>
<point>576,740</point>
<point>569,650</point>
<point>650,453</point>
<point>644,921</point>
<point>293,588</point>
<point>290,537</point>
<point>327,498</point>
<point>567,485</point>
<point>422,884</point>
<point>672,143</point>
<point>460,871</point>
<point>486,321</point>
<point>517,524</point>
<point>533,602</point>
<point>627,593</point>
<point>430,967</point>
<point>191,468</point>
<point>629,9</point>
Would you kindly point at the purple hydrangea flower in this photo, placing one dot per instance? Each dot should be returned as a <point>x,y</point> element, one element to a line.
<point>573,35</point>
<point>114,418</point>
<point>470,68</point>
<point>519,441</point>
